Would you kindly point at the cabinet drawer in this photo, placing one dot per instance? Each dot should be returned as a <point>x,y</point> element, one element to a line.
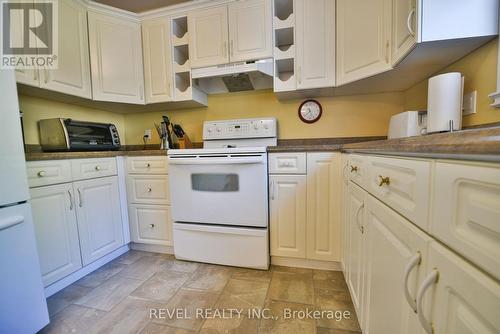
<point>357,169</point>
<point>402,184</point>
<point>147,165</point>
<point>148,189</point>
<point>287,163</point>
<point>151,224</point>
<point>42,173</point>
<point>92,168</point>
<point>466,212</point>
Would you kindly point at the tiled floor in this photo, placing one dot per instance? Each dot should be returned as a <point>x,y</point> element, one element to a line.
<point>121,296</point>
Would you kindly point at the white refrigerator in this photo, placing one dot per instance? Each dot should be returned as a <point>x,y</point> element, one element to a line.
<point>23,308</point>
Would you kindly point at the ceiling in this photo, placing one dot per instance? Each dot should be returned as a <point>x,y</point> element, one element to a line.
<point>138,6</point>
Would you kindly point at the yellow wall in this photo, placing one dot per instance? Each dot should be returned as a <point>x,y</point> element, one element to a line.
<point>361,115</point>
<point>35,108</point>
<point>479,69</point>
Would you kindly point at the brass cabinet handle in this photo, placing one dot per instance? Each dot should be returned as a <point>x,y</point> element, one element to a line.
<point>354,169</point>
<point>383,180</point>
<point>150,190</point>
<point>97,168</point>
<point>41,173</point>
<point>148,165</point>
<point>152,225</point>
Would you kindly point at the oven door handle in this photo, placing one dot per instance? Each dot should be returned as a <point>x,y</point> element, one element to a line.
<point>217,161</point>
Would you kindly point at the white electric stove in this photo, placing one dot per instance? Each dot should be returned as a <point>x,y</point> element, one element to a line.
<point>219,194</point>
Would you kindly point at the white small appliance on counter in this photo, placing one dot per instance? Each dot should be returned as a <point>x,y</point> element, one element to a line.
<point>219,194</point>
<point>444,103</point>
<point>408,124</point>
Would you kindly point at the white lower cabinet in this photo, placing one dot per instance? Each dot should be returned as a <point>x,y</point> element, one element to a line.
<point>149,201</point>
<point>305,205</point>
<point>99,217</point>
<point>459,298</point>
<point>401,278</point>
<point>355,247</point>
<point>323,206</point>
<point>56,231</point>
<point>149,224</point>
<point>395,257</point>
<point>288,215</point>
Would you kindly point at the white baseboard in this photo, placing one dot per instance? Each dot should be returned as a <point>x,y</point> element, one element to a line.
<point>72,278</point>
<point>152,248</point>
<point>305,263</point>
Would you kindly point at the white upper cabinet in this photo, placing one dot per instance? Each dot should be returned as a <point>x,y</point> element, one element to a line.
<point>116,59</point>
<point>157,60</point>
<point>404,28</point>
<point>363,39</point>
<point>208,37</point>
<point>250,31</point>
<point>315,45</point>
<point>73,73</point>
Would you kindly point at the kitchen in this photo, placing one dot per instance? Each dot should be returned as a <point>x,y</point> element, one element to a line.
<point>278,194</point>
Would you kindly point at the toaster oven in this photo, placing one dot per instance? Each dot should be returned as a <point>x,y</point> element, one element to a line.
<point>66,134</point>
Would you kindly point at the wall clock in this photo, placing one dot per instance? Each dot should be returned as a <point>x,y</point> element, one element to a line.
<point>310,111</point>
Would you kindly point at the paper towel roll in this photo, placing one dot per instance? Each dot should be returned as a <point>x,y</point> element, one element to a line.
<point>444,104</point>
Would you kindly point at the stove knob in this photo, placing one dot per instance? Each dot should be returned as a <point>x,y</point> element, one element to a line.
<point>256,126</point>
<point>219,129</point>
<point>209,130</point>
<point>266,126</point>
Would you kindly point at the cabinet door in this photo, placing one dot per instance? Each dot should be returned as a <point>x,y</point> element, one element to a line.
<point>99,217</point>
<point>464,300</point>
<point>151,224</point>
<point>56,231</point>
<point>315,55</point>
<point>356,246</point>
<point>393,244</point>
<point>363,39</point>
<point>73,73</point>
<point>208,37</point>
<point>288,215</point>
<point>323,206</point>
<point>344,207</point>
<point>27,77</point>
<point>250,30</point>
<point>404,26</point>
<point>157,60</point>
<point>116,59</point>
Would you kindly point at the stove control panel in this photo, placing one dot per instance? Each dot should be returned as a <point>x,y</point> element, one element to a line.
<point>240,129</point>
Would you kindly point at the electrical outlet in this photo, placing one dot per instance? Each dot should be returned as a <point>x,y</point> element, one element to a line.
<point>469,103</point>
<point>147,134</point>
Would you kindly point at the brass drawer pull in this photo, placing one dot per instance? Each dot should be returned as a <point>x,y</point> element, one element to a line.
<point>354,169</point>
<point>152,225</point>
<point>97,168</point>
<point>383,180</point>
<point>150,190</point>
<point>148,165</point>
<point>41,173</point>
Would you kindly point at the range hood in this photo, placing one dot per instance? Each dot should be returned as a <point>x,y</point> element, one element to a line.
<point>234,77</point>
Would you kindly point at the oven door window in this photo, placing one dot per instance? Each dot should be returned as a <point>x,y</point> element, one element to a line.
<point>215,182</point>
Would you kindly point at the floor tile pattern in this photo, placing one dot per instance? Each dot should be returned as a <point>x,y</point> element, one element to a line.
<point>129,294</point>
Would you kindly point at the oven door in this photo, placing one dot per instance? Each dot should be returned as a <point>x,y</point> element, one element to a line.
<point>223,189</point>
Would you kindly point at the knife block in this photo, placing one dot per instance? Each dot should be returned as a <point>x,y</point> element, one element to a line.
<point>185,142</point>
